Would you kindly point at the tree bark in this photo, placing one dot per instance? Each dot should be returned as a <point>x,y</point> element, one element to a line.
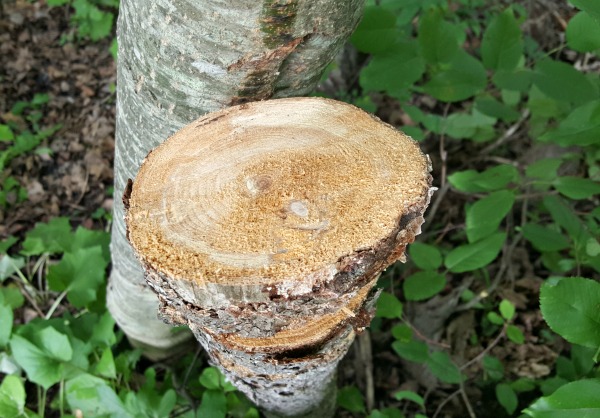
<point>179,59</point>
<point>263,227</point>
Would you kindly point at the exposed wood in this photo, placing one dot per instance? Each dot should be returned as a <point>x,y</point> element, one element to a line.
<point>264,227</point>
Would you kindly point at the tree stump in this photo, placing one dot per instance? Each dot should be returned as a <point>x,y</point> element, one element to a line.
<point>264,227</point>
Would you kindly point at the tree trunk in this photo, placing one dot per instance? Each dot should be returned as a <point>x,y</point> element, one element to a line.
<point>263,227</point>
<point>179,59</point>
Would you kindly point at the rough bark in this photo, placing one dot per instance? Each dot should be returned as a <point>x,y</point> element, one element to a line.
<point>263,227</point>
<point>179,59</point>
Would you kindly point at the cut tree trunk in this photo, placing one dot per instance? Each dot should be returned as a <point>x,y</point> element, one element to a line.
<point>179,59</point>
<point>263,227</point>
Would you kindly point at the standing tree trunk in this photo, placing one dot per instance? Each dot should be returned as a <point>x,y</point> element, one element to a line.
<point>264,227</point>
<point>179,59</point>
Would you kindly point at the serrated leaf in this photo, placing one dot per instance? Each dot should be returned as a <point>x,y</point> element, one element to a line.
<point>464,78</point>
<point>351,399</point>
<point>425,256</point>
<point>443,368</point>
<point>396,70</point>
<point>507,398</point>
<point>376,32</point>
<point>437,37</point>
<point>39,366</point>
<point>545,239</point>
<point>502,44</point>
<point>583,33</point>
<point>550,77</point>
<point>573,400</point>
<point>492,179</point>
<point>12,397</point>
<point>53,237</point>
<point>473,256</point>
<point>576,187</point>
<point>484,216</point>
<point>423,285</point>
<point>388,306</point>
<point>80,273</point>
<point>570,307</point>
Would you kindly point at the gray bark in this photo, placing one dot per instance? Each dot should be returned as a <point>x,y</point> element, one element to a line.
<point>179,59</point>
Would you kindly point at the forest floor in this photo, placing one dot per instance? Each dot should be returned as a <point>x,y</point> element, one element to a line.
<point>71,176</point>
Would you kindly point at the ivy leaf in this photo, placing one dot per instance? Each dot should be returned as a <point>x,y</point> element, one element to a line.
<point>573,400</point>
<point>80,273</point>
<point>494,178</point>
<point>12,397</point>
<point>437,38</point>
<point>502,44</point>
<point>570,307</point>
<point>376,32</point>
<point>423,285</point>
<point>464,78</point>
<point>484,216</point>
<point>425,256</point>
<point>583,33</point>
<point>473,256</point>
<point>550,77</point>
<point>443,368</point>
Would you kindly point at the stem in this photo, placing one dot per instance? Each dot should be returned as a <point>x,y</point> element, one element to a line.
<point>55,305</point>
<point>62,397</point>
<point>41,401</point>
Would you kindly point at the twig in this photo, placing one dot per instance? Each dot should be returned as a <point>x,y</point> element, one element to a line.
<point>439,196</point>
<point>487,349</point>
<point>443,152</point>
<point>508,134</point>
<point>466,401</point>
<point>364,345</point>
<point>444,402</point>
<point>427,340</point>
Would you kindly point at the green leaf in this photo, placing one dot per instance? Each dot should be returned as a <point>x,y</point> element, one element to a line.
<point>583,33</point>
<point>7,243</point>
<point>81,274</point>
<point>437,38</point>
<point>39,366</point>
<point>493,367</point>
<point>545,169</point>
<point>9,266</point>
<point>564,216</point>
<point>402,332</point>
<point>475,126</point>
<point>11,296</point>
<point>590,6</point>
<point>492,107</point>
<point>167,403</point>
<point>570,307</point>
<point>425,256</point>
<point>473,256</point>
<point>576,187</point>
<point>423,285</point>
<point>464,78</point>
<point>545,239</point>
<point>574,400</point>
<point>106,365</point>
<point>562,82</point>
<point>507,309</point>
<point>409,395</point>
<point>210,378</point>
<point>484,216</point>
<point>517,80</point>
<point>443,368</point>
<point>53,237</point>
<point>376,32</point>
<point>388,306</point>
<point>12,397</point>
<point>55,344</point>
<point>494,318</point>
<point>492,179</point>
<point>507,398</point>
<point>393,71</point>
<point>94,397</point>
<point>413,350</point>
<point>351,399</point>
<point>515,334</point>
<point>6,133</point>
<point>502,44</point>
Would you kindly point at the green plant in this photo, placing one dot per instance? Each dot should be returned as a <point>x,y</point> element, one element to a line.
<point>93,18</point>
